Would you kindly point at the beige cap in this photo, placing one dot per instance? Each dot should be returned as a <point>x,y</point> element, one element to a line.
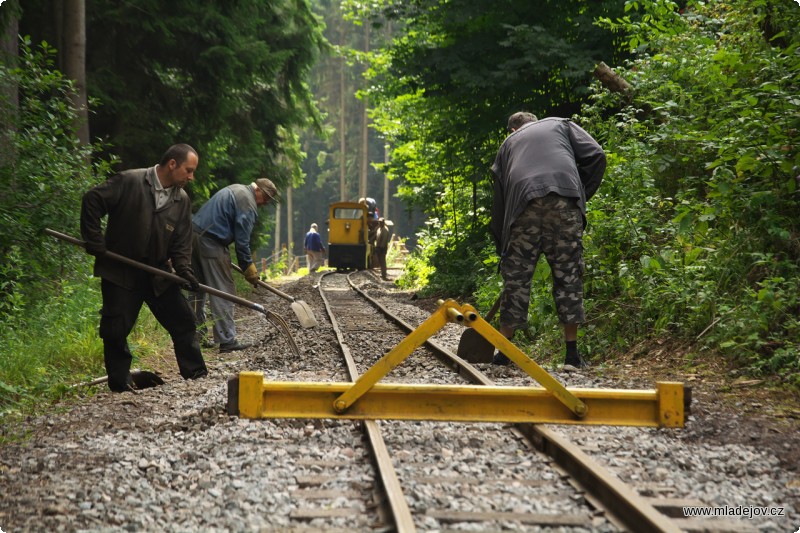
<point>268,188</point>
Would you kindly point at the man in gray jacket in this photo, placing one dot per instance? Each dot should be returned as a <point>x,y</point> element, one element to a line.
<point>150,221</point>
<point>544,173</point>
<point>228,217</point>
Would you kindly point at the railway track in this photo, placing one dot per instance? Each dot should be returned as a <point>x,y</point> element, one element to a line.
<point>481,476</point>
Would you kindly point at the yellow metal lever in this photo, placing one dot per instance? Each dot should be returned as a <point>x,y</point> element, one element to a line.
<point>450,311</point>
<point>447,312</point>
<point>528,365</point>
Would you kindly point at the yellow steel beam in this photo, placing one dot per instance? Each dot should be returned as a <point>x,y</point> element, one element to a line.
<point>258,398</point>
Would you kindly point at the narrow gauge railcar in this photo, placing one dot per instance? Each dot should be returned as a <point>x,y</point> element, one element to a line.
<point>348,236</point>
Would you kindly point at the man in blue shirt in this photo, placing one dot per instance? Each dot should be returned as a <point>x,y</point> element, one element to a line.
<point>228,217</point>
<point>314,249</point>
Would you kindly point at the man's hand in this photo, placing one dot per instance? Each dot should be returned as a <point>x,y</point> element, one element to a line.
<point>95,248</point>
<point>251,275</point>
<point>191,281</point>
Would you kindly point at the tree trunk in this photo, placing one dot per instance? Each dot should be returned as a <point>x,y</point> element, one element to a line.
<point>9,41</point>
<point>342,129</point>
<point>386,182</point>
<point>342,134</point>
<point>74,54</point>
<point>289,223</point>
<point>364,167</point>
<point>277,256</point>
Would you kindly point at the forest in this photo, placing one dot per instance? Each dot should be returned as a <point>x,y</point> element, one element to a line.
<point>694,235</point>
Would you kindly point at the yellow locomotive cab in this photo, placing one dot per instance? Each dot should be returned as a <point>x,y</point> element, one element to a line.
<point>348,231</point>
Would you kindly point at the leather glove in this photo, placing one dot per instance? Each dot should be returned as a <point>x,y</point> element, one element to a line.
<point>251,275</point>
<point>191,281</point>
<point>95,248</point>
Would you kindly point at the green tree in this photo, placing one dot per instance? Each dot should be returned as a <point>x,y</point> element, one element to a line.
<point>695,231</point>
<point>42,179</point>
<point>460,68</point>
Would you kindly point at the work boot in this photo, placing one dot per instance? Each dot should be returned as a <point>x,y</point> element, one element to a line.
<point>234,346</point>
<point>125,385</point>
<point>143,379</point>
<point>572,364</point>
<point>500,359</point>
<point>200,373</point>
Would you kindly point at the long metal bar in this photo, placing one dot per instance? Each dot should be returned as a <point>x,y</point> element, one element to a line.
<point>163,273</point>
<point>466,403</point>
<point>451,311</point>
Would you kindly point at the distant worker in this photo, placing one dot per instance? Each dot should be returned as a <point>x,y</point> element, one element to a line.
<point>314,249</point>
<point>544,173</point>
<point>382,238</point>
<point>372,207</point>
<point>228,217</point>
<point>372,228</point>
<point>150,221</point>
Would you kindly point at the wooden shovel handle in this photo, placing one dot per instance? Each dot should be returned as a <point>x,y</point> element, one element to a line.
<point>493,310</point>
<point>266,286</point>
<point>164,274</point>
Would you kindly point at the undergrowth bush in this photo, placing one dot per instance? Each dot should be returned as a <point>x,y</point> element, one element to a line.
<point>694,232</point>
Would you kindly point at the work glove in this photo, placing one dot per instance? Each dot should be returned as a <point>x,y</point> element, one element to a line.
<point>191,282</point>
<point>251,275</point>
<point>95,248</point>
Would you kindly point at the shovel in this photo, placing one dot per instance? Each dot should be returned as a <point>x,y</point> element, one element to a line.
<point>472,347</point>
<point>142,379</point>
<point>303,311</point>
<point>276,320</point>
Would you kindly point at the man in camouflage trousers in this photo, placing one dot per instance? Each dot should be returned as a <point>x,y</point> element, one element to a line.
<point>544,173</point>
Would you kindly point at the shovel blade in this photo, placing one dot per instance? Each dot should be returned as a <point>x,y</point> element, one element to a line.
<point>304,314</point>
<point>143,379</point>
<point>473,348</point>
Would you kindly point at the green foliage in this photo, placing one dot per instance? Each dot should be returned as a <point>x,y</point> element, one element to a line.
<point>228,78</point>
<point>442,91</point>
<point>694,233</point>
<point>695,229</point>
<point>43,173</point>
<point>54,343</point>
<point>48,302</point>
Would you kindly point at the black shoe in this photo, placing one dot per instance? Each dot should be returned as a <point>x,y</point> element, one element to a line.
<point>121,386</point>
<point>500,359</point>
<point>577,362</point>
<point>201,373</point>
<point>234,346</point>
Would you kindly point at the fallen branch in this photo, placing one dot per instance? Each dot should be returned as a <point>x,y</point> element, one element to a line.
<point>611,80</point>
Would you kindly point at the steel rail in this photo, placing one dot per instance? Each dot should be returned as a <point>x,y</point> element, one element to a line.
<point>398,506</point>
<point>623,503</point>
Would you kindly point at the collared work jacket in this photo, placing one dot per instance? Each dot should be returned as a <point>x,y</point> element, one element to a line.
<point>136,229</point>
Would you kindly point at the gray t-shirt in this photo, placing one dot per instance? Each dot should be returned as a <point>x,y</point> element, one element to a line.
<point>552,155</point>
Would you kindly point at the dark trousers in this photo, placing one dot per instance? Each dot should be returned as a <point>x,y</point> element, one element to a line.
<point>121,308</point>
<point>380,256</point>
